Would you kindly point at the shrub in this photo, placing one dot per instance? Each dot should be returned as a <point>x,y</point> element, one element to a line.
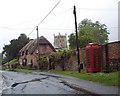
<point>12,64</point>
<point>60,57</point>
<point>43,63</point>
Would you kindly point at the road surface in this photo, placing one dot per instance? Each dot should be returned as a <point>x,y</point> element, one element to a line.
<point>37,83</point>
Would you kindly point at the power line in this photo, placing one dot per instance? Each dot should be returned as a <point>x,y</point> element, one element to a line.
<point>8,28</point>
<point>29,28</point>
<point>31,31</point>
<point>45,17</point>
<point>59,15</point>
<point>56,29</point>
<point>98,9</point>
<point>48,13</point>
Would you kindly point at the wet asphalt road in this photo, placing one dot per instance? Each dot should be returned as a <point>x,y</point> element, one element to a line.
<point>36,83</point>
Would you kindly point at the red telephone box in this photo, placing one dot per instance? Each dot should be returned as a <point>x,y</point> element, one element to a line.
<point>93,57</point>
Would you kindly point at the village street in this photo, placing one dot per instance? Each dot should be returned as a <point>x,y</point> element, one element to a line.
<point>36,83</point>
<point>49,83</point>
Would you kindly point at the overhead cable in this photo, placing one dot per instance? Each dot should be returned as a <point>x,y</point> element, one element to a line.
<point>45,17</point>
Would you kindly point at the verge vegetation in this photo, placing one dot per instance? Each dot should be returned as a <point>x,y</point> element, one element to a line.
<point>105,78</point>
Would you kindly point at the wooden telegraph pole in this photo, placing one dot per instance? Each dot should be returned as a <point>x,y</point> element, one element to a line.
<point>77,43</point>
<point>38,42</point>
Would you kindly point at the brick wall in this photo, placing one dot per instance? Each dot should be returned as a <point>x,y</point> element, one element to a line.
<point>111,56</point>
<point>82,55</point>
<point>72,63</point>
<point>32,58</point>
<point>45,49</point>
<point>69,64</point>
<point>113,50</point>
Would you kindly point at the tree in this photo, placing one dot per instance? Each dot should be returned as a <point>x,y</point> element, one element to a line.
<point>11,51</point>
<point>72,41</point>
<point>89,32</point>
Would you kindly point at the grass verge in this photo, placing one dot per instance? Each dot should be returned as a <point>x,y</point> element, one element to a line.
<point>105,78</point>
<point>23,71</point>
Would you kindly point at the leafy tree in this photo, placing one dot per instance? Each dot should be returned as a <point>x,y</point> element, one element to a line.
<point>89,32</point>
<point>11,51</point>
<point>72,41</point>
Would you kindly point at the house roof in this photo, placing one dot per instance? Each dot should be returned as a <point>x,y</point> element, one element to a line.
<point>32,45</point>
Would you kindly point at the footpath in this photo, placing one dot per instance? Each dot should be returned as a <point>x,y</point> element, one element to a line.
<point>87,86</point>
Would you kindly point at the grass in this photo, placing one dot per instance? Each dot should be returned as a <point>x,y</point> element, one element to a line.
<point>23,71</point>
<point>105,78</point>
<point>27,71</point>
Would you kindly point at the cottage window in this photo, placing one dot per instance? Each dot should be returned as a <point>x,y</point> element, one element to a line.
<point>22,53</point>
<point>26,52</point>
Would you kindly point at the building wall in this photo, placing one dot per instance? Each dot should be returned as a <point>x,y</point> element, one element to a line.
<point>70,64</point>
<point>113,50</point>
<point>45,49</point>
<point>119,20</point>
<point>111,57</point>
<point>32,58</point>
<point>60,41</point>
<point>82,55</point>
<point>34,61</point>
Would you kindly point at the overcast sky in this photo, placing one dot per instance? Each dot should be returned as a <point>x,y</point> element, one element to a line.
<point>21,16</point>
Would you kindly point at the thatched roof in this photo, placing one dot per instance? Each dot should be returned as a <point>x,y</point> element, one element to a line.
<point>32,45</point>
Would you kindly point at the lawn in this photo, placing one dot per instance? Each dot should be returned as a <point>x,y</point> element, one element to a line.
<point>105,78</point>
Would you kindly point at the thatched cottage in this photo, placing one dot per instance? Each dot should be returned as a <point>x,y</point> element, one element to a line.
<point>29,54</point>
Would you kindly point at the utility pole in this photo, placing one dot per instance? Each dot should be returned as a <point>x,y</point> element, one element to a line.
<point>77,43</point>
<point>1,59</point>
<point>38,43</point>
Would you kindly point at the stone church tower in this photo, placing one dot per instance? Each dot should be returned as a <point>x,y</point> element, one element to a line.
<point>60,41</point>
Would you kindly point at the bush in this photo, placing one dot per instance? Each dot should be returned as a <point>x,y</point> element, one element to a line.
<point>43,63</point>
<point>12,64</point>
<point>60,58</point>
<point>55,58</point>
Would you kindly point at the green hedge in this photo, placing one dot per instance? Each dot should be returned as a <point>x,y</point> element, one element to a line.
<point>55,58</point>
<point>14,61</point>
